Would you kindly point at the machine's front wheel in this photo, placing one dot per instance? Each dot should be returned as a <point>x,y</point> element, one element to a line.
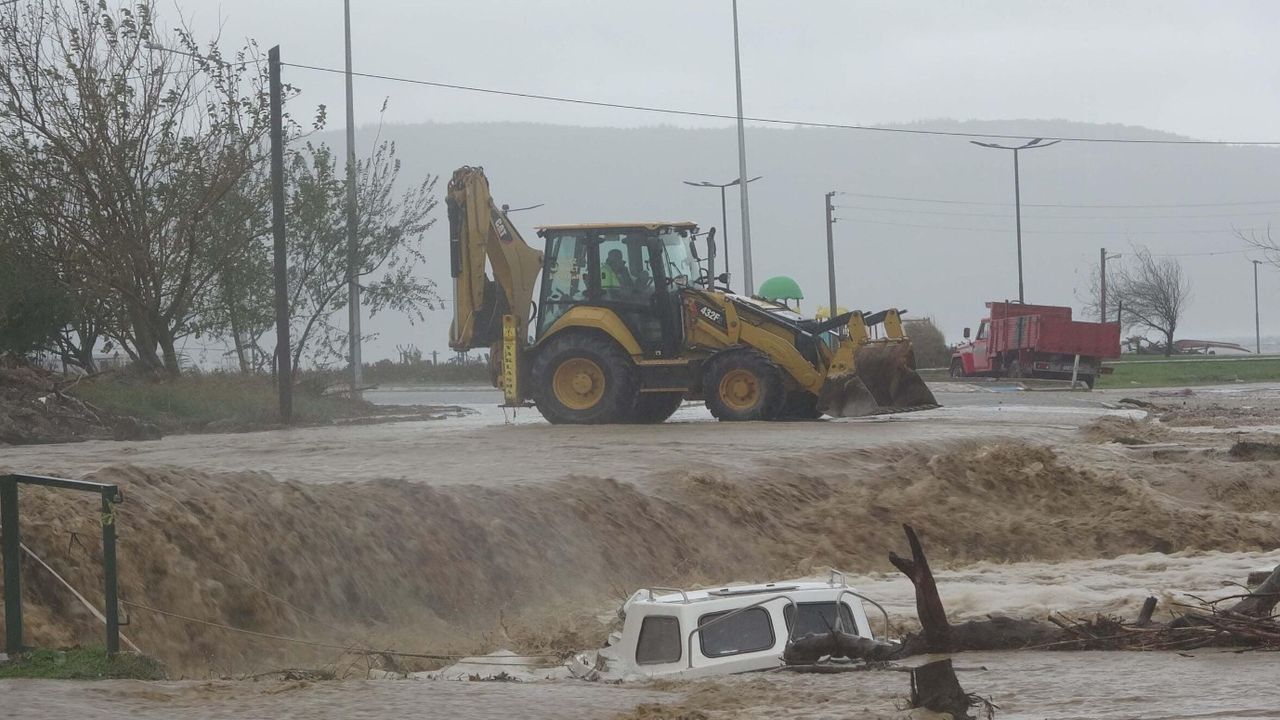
<point>742,385</point>
<point>655,407</point>
<point>800,405</point>
<point>581,378</point>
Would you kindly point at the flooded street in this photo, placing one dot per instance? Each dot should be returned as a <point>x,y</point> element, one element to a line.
<point>477,448</point>
<point>482,530</point>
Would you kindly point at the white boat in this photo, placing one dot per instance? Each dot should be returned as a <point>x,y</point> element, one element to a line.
<point>694,633</point>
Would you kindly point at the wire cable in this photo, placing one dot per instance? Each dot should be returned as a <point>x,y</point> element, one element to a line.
<point>1038,216</point>
<point>772,121</point>
<point>1051,232</point>
<point>1056,205</point>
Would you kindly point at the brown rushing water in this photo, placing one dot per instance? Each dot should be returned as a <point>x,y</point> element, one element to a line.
<point>1037,684</point>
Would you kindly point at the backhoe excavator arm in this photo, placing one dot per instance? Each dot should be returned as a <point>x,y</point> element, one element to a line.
<point>480,234</point>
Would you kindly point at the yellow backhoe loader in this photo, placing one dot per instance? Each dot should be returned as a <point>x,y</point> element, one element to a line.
<point>628,325</point>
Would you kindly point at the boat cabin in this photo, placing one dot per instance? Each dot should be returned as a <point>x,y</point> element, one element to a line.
<point>732,629</point>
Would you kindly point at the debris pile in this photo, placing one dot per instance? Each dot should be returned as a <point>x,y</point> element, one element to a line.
<point>35,407</point>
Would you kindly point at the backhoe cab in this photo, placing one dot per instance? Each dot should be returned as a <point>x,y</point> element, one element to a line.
<point>628,325</point>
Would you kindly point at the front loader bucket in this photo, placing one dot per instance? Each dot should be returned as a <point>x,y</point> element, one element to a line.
<point>884,381</point>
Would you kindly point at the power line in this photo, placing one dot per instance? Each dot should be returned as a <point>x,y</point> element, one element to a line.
<point>1058,205</point>
<point>914,211</point>
<point>1051,232</point>
<point>772,121</point>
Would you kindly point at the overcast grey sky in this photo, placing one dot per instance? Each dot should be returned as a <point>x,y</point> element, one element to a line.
<point>1199,68</point>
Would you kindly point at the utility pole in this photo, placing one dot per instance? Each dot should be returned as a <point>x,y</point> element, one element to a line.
<point>1257,323</point>
<point>831,256</point>
<point>353,248</point>
<point>1017,194</point>
<point>747,277</point>
<point>284,355</point>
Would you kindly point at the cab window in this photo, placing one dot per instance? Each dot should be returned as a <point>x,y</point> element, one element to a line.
<point>748,631</point>
<point>819,618</point>
<point>982,331</point>
<point>626,275</point>
<point>564,279</point>
<point>659,641</point>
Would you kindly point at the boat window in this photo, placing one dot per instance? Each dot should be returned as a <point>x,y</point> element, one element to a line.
<point>659,641</point>
<point>748,631</point>
<point>819,618</point>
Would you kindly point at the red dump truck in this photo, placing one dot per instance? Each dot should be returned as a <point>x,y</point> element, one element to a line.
<point>1035,341</point>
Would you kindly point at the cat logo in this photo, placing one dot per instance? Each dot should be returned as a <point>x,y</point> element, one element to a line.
<point>500,227</point>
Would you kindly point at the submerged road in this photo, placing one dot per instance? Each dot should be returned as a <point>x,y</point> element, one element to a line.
<point>491,446</point>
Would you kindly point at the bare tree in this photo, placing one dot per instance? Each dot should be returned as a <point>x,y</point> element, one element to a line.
<point>119,152</point>
<point>1264,242</point>
<point>1155,293</point>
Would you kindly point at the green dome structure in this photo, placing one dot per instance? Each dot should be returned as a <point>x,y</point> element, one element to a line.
<point>780,288</point>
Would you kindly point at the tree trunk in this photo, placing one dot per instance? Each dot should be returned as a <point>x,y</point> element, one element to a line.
<point>933,618</point>
<point>1262,599</point>
<point>1168,342</point>
<point>934,686</point>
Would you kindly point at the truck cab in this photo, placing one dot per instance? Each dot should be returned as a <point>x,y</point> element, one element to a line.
<point>634,271</point>
<point>1021,340</point>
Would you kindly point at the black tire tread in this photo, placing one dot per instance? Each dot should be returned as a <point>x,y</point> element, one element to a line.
<point>768,373</point>
<point>622,381</point>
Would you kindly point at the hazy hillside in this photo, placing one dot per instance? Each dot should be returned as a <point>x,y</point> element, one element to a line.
<point>964,256</point>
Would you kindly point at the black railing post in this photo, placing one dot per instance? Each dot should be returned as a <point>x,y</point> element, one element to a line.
<point>111,602</point>
<point>10,543</point>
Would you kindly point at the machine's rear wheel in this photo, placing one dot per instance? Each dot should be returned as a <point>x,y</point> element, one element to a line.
<point>583,378</point>
<point>656,407</point>
<point>743,385</point>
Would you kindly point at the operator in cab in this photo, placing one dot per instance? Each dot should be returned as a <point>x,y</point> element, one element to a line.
<point>614,275</point>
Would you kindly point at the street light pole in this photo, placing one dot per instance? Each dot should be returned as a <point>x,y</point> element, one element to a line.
<point>1257,324</point>
<point>831,257</point>
<point>742,164</point>
<point>1017,194</point>
<point>353,246</point>
<point>1102,282</point>
<point>724,213</point>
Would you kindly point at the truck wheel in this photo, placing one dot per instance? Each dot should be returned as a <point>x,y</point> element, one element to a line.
<point>1089,380</point>
<point>655,407</point>
<point>744,385</point>
<point>957,368</point>
<point>581,378</point>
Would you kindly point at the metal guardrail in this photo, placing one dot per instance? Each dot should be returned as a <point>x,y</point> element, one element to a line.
<point>739,611</point>
<point>11,543</point>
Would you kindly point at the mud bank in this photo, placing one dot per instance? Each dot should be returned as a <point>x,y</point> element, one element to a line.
<point>466,568</point>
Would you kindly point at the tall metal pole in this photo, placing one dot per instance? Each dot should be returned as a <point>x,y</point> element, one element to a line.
<point>1257,323</point>
<point>1017,212</point>
<point>724,229</point>
<point>284,354</point>
<point>1017,194</point>
<point>747,277</point>
<point>831,257</point>
<point>1102,285</point>
<point>353,263</point>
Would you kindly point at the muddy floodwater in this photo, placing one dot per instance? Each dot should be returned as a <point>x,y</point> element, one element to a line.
<point>1025,685</point>
<point>489,530</point>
